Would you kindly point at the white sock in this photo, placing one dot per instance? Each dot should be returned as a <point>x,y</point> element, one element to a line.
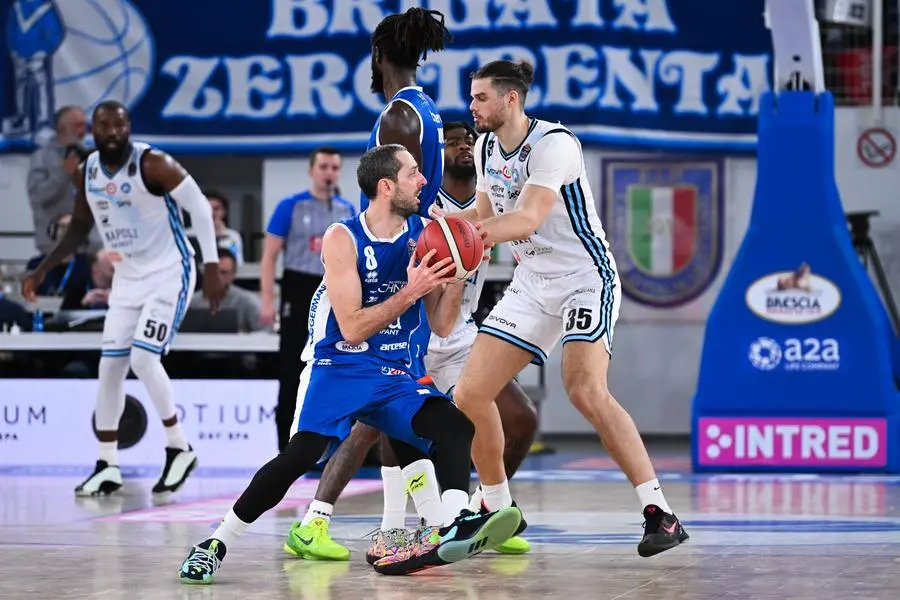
<point>394,516</point>
<point>475,502</point>
<point>175,436</point>
<point>651,493</point>
<point>497,497</point>
<point>318,510</point>
<point>423,487</point>
<point>454,502</point>
<point>111,392</point>
<point>109,451</point>
<point>229,529</point>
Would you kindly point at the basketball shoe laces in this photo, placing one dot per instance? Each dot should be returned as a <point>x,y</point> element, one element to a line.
<point>203,560</point>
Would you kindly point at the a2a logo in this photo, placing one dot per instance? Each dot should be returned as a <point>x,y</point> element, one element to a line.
<point>795,354</point>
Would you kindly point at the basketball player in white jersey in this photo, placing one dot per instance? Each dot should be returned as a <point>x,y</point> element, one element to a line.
<point>532,191</point>
<point>135,193</point>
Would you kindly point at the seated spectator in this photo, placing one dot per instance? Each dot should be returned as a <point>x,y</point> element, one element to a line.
<point>96,294</point>
<point>228,239</point>
<point>245,303</point>
<point>74,273</point>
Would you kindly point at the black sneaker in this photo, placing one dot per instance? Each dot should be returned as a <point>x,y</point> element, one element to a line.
<point>202,563</point>
<point>469,534</point>
<point>662,531</point>
<point>179,464</point>
<point>522,526</point>
<point>105,480</point>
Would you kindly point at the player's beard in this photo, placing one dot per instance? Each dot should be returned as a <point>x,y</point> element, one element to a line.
<point>404,205</point>
<point>458,171</point>
<point>113,156</point>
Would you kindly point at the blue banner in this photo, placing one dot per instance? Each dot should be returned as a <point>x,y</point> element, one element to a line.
<point>217,76</point>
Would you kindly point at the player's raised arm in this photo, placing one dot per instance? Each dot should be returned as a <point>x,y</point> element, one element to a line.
<point>554,162</point>
<point>357,324</point>
<point>76,234</point>
<point>164,175</point>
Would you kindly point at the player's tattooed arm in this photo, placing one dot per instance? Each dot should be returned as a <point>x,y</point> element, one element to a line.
<point>79,227</point>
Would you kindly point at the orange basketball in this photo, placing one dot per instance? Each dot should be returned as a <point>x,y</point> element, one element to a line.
<point>455,238</point>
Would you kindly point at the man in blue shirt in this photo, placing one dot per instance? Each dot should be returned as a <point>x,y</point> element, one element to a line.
<point>296,228</point>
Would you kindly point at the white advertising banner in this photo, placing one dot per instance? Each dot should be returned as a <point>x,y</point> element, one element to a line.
<point>48,422</point>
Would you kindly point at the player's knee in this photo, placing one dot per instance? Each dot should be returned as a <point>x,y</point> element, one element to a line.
<point>591,397</point>
<point>142,361</point>
<point>440,421</point>
<point>113,367</point>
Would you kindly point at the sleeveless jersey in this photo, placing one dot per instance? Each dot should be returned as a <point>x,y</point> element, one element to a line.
<point>431,142</point>
<point>144,233</point>
<point>381,264</point>
<point>571,239</point>
<point>475,283</point>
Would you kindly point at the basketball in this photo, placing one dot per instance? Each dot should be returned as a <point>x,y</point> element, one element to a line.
<point>455,238</point>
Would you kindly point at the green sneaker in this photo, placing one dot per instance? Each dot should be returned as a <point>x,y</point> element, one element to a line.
<point>514,545</point>
<point>312,542</point>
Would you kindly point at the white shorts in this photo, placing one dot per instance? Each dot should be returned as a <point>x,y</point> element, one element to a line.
<point>535,311</point>
<point>447,356</point>
<point>146,312</point>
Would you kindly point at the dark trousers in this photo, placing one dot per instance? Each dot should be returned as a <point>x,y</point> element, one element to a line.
<point>297,290</point>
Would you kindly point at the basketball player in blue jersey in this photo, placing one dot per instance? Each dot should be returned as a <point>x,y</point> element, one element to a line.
<point>134,193</point>
<point>444,362</point>
<point>410,118</point>
<point>362,318</point>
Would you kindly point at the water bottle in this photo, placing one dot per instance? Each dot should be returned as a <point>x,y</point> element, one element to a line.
<point>37,320</point>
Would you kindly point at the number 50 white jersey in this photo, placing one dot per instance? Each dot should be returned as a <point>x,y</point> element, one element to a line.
<point>143,232</point>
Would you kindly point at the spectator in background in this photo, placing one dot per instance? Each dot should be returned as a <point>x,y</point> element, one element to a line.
<point>50,188</point>
<point>229,239</point>
<point>296,228</point>
<point>74,273</point>
<point>95,296</point>
<point>244,302</point>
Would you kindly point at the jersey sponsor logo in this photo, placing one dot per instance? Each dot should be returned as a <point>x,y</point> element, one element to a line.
<point>665,226</point>
<point>523,154</point>
<point>126,188</point>
<point>394,347</point>
<point>353,348</point>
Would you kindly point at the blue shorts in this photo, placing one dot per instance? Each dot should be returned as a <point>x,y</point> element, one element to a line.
<point>330,398</point>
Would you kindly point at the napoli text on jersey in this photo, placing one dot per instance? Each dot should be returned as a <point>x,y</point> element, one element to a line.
<point>571,238</point>
<point>381,264</point>
<point>144,233</point>
<point>431,140</point>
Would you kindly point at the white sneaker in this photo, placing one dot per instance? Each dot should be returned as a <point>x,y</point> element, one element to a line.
<point>179,464</point>
<point>105,480</point>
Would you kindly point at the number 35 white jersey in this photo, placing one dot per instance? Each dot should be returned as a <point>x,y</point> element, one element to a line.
<point>571,239</point>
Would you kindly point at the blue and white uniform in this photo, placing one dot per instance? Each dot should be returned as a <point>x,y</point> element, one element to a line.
<point>155,272</point>
<point>431,142</point>
<point>373,381</point>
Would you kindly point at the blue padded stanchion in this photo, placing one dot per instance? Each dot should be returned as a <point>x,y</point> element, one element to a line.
<point>797,369</point>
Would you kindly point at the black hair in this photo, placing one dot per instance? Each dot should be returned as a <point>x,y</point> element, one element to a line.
<point>226,253</point>
<point>222,198</point>
<point>451,125</point>
<point>405,38</point>
<point>506,75</point>
<point>327,150</point>
<point>111,105</point>
<point>376,164</point>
